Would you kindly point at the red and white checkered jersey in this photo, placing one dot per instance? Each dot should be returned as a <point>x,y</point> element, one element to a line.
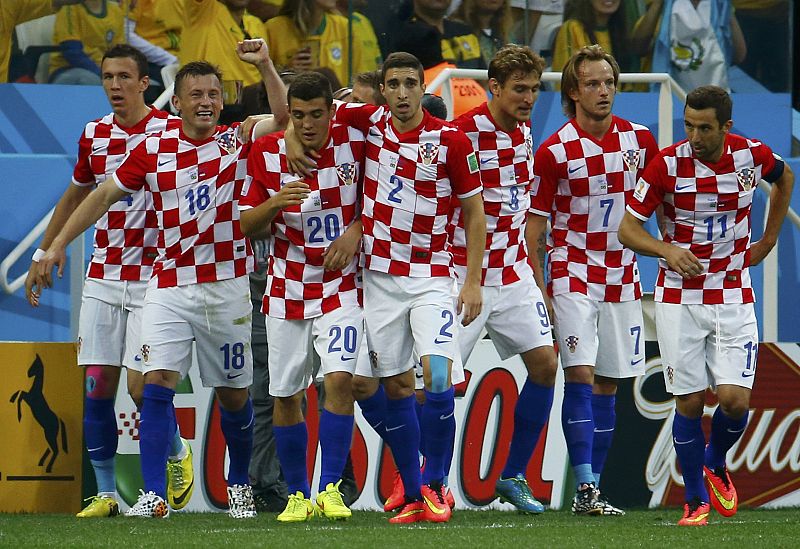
<point>298,287</point>
<point>411,181</point>
<point>707,211</point>
<point>506,169</point>
<point>125,237</point>
<point>583,184</point>
<point>196,187</point>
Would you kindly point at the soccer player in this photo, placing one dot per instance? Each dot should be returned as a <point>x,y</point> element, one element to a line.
<point>199,290</point>
<point>312,299</point>
<point>585,173</point>
<point>514,310</point>
<point>416,167</point>
<point>705,319</point>
<point>122,261</point>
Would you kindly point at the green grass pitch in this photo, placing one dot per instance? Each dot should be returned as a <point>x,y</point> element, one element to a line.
<point>467,530</point>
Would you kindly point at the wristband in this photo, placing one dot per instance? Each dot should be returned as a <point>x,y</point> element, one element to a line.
<point>38,254</point>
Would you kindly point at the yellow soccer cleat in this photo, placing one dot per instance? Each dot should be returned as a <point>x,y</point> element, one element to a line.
<point>100,506</point>
<point>331,505</point>
<point>298,509</point>
<point>180,479</point>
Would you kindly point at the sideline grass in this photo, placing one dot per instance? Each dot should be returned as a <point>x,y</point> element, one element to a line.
<point>639,528</point>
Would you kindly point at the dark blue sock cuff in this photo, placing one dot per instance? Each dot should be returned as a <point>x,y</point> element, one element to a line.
<point>157,392</point>
<point>375,400</point>
<point>534,403</point>
<point>241,416</point>
<point>406,403</point>
<point>445,396</point>
<point>604,401</point>
<point>336,421</point>
<point>578,389</point>
<point>98,407</point>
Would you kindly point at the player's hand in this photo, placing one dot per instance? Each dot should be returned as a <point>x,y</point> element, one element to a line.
<point>759,250</point>
<point>342,250</point>
<point>33,286</point>
<point>255,51</point>
<point>683,262</point>
<point>298,160</point>
<point>470,302</point>
<point>291,194</point>
<point>301,60</point>
<point>246,127</point>
<point>55,256</point>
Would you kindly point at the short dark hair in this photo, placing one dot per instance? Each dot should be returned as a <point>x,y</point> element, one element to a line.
<point>512,58</point>
<point>435,105</point>
<point>196,68</point>
<point>711,97</point>
<point>569,74</point>
<point>402,60</point>
<point>126,50</point>
<point>310,85</point>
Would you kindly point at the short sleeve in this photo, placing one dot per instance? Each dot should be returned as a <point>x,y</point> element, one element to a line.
<point>132,173</point>
<point>650,190</point>
<point>259,179</point>
<point>545,182</point>
<point>82,175</point>
<point>462,165</point>
<point>356,115</point>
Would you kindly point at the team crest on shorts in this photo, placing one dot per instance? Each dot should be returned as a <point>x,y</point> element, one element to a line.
<point>146,353</point>
<point>746,178</point>
<point>670,375</point>
<point>227,140</point>
<point>373,359</point>
<point>631,157</point>
<point>428,152</point>
<point>572,343</point>
<point>347,172</point>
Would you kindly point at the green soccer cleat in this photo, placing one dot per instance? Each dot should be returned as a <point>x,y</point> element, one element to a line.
<point>330,503</point>
<point>100,506</point>
<point>298,509</point>
<point>180,479</point>
<point>515,490</point>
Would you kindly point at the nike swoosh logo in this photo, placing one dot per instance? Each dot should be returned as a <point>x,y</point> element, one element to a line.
<point>544,332</point>
<point>681,442</point>
<point>432,506</point>
<point>573,170</point>
<point>418,376</point>
<point>737,431</point>
<point>164,162</point>
<point>748,374</point>
<point>95,449</point>
<point>346,358</point>
<point>396,427</point>
<point>233,377</point>
<point>182,496</point>
<point>97,148</point>
<point>488,160</point>
<point>572,422</point>
<point>249,423</point>
<point>726,503</point>
<point>137,358</point>
<point>603,430</point>
<point>448,416</point>
<point>440,341</point>
<point>635,362</point>
<point>682,187</point>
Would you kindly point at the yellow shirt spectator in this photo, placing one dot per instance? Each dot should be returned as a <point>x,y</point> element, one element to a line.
<point>96,31</point>
<point>211,34</point>
<point>328,44</point>
<point>11,15</point>
<point>370,51</point>
<point>573,36</point>
<point>160,22</point>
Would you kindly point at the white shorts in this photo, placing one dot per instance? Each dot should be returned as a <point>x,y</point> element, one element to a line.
<point>110,325</point>
<point>704,345</point>
<point>608,336</point>
<point>302,349</point>
<point>403,314</point>
<point>515,316</point>
<point>217,316</point>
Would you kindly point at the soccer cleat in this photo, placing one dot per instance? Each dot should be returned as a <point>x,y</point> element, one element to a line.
<point>330,503</point>
<point>180,479</point>
<point>435,507</point>
<point>695,513</point>
<point>269,502</point>
<point>298,509</point>
<point>448,497</point>
<point>515,490</point>
<point>608,509</point>
<point>585,501</point>
<point>723,493</point>
<point>100,506</point>
<point>149,505</point>
<point>398,496</point>
<point>411,511</point>
<point>240,501</point>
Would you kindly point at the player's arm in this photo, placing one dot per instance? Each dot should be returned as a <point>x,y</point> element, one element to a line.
<point>470,300</point>
<point>253,220</point>
<point>535,240</point>
<point>256,53</point>
<point>90,210</point>
<point>342,250</point>
<point>69,201</point>
<point>633,235</point>
<point>779,198</point>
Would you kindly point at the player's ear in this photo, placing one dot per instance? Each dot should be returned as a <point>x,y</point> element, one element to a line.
<point>176,103</point>
<point>144,83</point>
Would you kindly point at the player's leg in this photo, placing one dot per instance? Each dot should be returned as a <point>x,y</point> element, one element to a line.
<point>682,331</point>
<point>576,328</point>
<point>519,324</point>
<point>732,361</point>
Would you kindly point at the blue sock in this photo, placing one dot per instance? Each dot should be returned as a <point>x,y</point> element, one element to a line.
<point>578,424</point>
<point>237,427</point>
<point>335,439</point>
<point>418,407</point>
<point>438,425</point>
<point>291,444</point>
<point>402,436</point>
<point>689,442</point>
<point>725,431</point>
<point>605,419</point>
<point>100,432</point>
<point>155,433</point>
<point>530,415</point>
<point>374,411</point>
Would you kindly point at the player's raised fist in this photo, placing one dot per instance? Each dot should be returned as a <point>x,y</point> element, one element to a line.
<point>255,51</point>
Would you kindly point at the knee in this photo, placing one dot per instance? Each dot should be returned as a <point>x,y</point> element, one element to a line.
<point>440,373</point>
<point>101,382</point>
<point>542,365</point>
<point>734,409</point>
<point>364,387</point>
<point>579,374</point>
<point>232,400</point>
<point>398,387</point>
<point>604,386</point>
<point>691,405</point>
